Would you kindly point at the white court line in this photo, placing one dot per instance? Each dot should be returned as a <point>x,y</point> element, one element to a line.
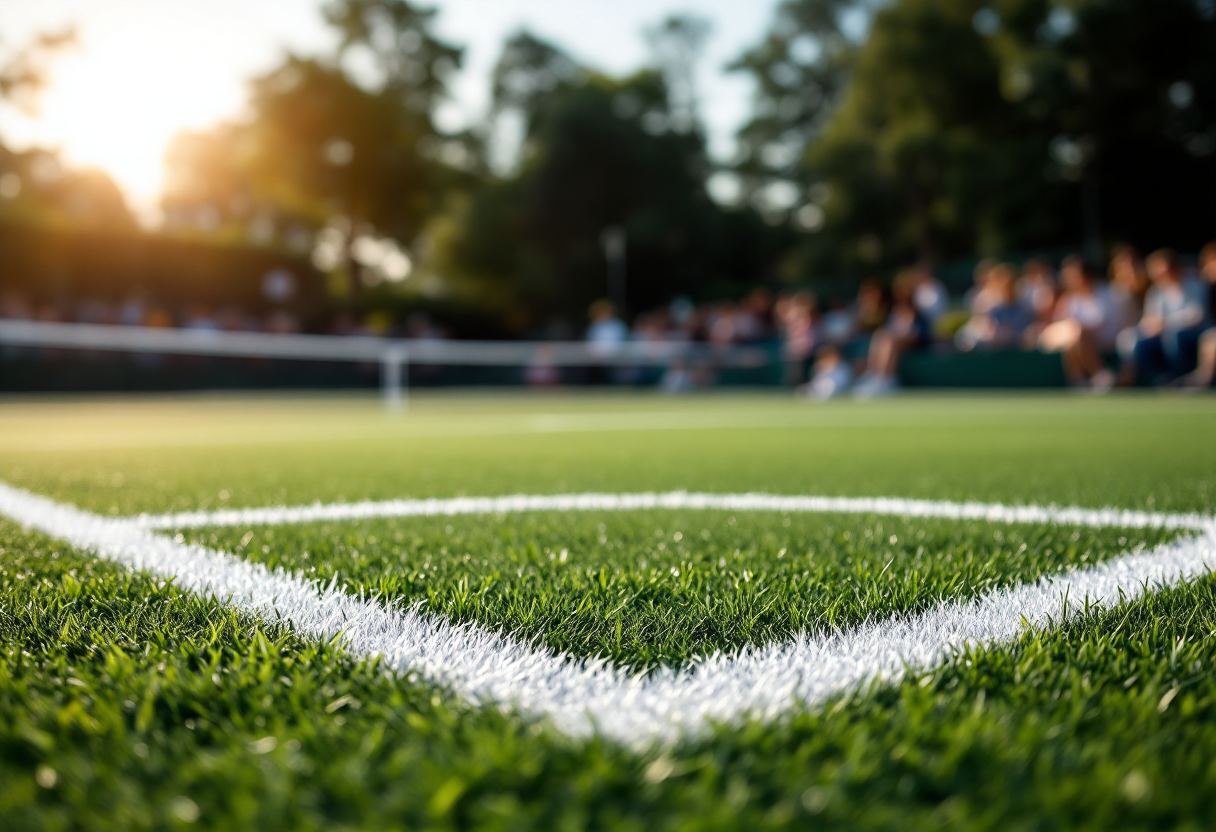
<point>584,697</point>
<point>988,512</point>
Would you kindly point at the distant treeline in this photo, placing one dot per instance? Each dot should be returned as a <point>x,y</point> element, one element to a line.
<point>66,265</point>
<point>881,133</point>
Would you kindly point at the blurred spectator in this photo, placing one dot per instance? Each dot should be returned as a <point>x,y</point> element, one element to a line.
<point>871,307</point>
<point>1004,321</point>
<point>647,333</point>
<point>133,311</point>
<point>905,329</point>
<point>979,298</point>
<point>839,324</point>
<point>606,331</point>
<point>1162,346</point>
<point>420,327</point>
<point>831,377</point>
<point>1204,374</point>
<point>869,313</point>
<point>1036,291</point>
<point>281,322</point>
<point>234,319</point>
<point>605,336</point>
<point>796,314</point>
<point>158,317</point>
<point>343,323</point>
<point>721,324</point>
<point>678,378</point>
<point>199,319</point>
<point>1084,326</point>
<point>14,305</point>
<point>754,319</point>
<point>1128,284</point>
<point>542,371</point>
<point>94,312</point>
<point>50,313</point>
<point>928,295</point>
<point>683,315</point>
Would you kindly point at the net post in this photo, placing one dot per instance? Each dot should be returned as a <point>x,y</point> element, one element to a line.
<point>393,369</point>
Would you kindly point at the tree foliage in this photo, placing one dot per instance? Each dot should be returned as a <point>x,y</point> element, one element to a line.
<point>799,70</point>
<point>967,126</point>
<point>677,45</point>
<point>882,131</point>
<point>409,61</point>
<point>35,186</point>
<point>530,72</point>
<point>325,147</point>
<point>600,152</point>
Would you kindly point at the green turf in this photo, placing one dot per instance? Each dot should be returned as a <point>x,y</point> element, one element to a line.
<point>126,704</point>
<point>184,454</point>
<point>661,587</point>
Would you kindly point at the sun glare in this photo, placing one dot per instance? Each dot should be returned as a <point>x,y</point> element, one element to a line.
<point>116,105</point>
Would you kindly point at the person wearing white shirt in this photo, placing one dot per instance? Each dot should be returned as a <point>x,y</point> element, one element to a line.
<point>605,336</point>
<point>1084,325</point>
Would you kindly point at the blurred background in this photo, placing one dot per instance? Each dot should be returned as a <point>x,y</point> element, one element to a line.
<point>869,194</point>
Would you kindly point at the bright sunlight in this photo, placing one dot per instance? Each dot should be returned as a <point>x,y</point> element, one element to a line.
<point>115,106</point>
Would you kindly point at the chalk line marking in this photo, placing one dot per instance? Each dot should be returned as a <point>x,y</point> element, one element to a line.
<point>582,697</point>
<point>987,512</point>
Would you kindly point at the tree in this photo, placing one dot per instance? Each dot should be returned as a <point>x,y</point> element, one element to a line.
<point>23,73</point>
<point>362,158</point>
<point>922,155</point>
<point>677,44</point>
<point>599,152</point>
<point>35,187</point>
<point>1127,89</point>
<point>799,71</point>
<point>967,126</point>
<point>34,184</point>
<point>411,62</point>
<point>208,186</point>
<point>529,73</point>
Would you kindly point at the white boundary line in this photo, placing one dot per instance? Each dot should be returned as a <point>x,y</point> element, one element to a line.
<point>584,697</point>
<point>988,512</point>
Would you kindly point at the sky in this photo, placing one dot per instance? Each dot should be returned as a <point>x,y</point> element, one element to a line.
<point>145,69</point>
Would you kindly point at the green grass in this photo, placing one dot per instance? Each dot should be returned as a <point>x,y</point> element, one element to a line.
<point>125,703</point>
<point>661,587</point>
<point>185,454</point>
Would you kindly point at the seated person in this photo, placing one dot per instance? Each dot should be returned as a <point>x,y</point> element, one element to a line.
<point>797,316</point>
<point>1036,291</point>
<point>1084,326</point>
<point>980,298</point>
<point>831,376</point>
<point>1162,346</point>
<point>869,313</point>
<point>1004,322</point>
<point>928,294</point>
<point>1205,373</point>
<point>905,329</point>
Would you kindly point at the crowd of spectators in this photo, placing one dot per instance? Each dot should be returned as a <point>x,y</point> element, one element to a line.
<point>1149,321</point>
<point>139,310</point>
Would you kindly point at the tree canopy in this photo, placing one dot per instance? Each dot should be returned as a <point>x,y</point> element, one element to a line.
<point>963,127</point>
<point>881,132</point>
